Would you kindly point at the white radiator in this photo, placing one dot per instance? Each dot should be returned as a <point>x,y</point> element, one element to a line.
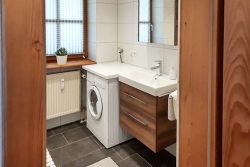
<point>63,94</point>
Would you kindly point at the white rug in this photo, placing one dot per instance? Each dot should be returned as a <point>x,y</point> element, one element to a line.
<point>107,162</point>
<point>49,161</point>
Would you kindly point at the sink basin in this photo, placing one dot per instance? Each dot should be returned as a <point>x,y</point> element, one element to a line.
<point>146,81</point>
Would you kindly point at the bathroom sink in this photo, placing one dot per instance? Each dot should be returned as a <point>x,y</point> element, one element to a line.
<point>147,81</point>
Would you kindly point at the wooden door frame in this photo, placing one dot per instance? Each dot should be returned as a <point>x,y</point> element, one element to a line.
<point>201,71</point>
<point>1,89</point>
<point>25,80</point>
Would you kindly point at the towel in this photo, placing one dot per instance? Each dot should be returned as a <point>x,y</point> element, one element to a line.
<point>173,106</point>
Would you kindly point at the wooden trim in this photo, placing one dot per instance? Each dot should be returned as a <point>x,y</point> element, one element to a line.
<point>236,93</point>
<point>216,81</point>
<point>25,133</point>
<point>200,71</point>
<point>85,29</point>
<point>2,80</point>
<point>78,63</point>
<point>52,59</point>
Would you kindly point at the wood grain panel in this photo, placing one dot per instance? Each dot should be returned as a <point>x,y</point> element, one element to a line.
<point>25,86</point>
<point>194,72</point>
<point>146,103</point>
<point>236,93</point>
<point>69,64</point>
<point>147,122</point>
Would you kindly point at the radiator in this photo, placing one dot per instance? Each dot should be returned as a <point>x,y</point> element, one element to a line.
<point>63,94</point>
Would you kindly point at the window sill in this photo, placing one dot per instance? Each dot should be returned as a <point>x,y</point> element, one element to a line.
<point>70,64</point>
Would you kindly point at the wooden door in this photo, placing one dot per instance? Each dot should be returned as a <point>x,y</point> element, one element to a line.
<point>25,83</point>
<point>201,55</point>
<point>236,91</point>
<point>1,88</point>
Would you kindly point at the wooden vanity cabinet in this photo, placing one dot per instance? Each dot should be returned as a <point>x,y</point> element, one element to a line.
<point>145,117</point>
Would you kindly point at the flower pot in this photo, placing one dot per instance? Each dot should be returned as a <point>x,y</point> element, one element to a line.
<point>61,60</point>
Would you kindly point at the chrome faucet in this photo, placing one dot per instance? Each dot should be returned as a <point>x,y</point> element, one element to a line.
<point>120,51</point>
<point>158,66</point>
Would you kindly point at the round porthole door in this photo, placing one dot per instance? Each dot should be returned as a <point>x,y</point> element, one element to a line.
<point>95,103</point>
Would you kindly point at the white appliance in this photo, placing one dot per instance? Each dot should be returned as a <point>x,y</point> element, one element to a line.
<point>103,110</point>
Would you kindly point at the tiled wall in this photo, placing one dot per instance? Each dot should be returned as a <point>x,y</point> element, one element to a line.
<point>102,24</point>
<point>112,24</point>
<point>138,53</point>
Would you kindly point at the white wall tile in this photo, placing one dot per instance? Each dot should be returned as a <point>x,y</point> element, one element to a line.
<point>92,51</point>
<point>171,59</point>
<point>92,32</point>
<point>103,30</point>
<point>126,13</point>
<point>127,33</point>
<point>106,13</point>
<point>106,52</point>
<point>106,32</point>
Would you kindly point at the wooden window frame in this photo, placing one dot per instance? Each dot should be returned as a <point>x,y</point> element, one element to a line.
<point>84,55</point>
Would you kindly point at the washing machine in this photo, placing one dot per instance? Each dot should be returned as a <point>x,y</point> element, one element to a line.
<point>103,110</point>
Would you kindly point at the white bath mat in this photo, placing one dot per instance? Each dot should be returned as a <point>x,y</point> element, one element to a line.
<point>49,160</point>
<point>107,162</point>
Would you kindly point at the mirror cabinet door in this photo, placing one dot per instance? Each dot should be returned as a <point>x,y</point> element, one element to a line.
<point>158,21</point>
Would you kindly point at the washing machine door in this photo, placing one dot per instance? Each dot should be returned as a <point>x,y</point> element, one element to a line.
<point>95,103</point>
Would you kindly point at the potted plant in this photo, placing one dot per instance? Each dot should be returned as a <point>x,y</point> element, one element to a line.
<point>61,56</point>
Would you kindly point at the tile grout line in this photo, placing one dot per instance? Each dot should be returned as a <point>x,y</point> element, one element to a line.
<point>82,156</point>
<point>71,143</point>
<point>127,157</point>
<point>117,153</point>
<point>62,131</point>
<point>65,139</point>
<point>97,142</point>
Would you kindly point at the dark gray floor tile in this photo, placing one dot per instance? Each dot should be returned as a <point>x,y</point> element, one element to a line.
<point>50,133</point>
<point>128,148</point>
<point>133,161</point>
<point>94,157</point>
<point>56,141</point>
<point>76,134</point>
<point>160,159</point>
<point>163,159</point>
<point>64,128</point>
<point>73,151</point>
<point>97,141</point>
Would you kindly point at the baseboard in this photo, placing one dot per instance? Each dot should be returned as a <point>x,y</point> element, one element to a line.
<point>55,122</point>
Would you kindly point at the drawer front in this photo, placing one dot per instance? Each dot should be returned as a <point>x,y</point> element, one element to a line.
<point>138,99</point>
<point>141,127</point>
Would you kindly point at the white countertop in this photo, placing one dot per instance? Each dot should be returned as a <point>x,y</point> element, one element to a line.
<point>110,70</point>
<point>147,81</point>
<point>136,77</point>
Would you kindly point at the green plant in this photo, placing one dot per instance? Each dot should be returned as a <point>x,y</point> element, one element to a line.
<point>61,52</point>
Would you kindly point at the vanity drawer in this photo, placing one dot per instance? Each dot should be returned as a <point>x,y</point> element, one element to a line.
<point>138,99</point>
<point>138,126</point>
<point>145,117</point>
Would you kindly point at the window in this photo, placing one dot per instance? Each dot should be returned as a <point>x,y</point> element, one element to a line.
<point>144,20</point>
<point>64,26</point>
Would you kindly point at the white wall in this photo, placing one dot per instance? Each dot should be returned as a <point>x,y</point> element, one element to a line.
<point>138,53</point>
<point>102,25</point>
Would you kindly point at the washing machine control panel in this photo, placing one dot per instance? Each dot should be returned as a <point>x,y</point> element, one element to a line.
<point>96,80</point>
